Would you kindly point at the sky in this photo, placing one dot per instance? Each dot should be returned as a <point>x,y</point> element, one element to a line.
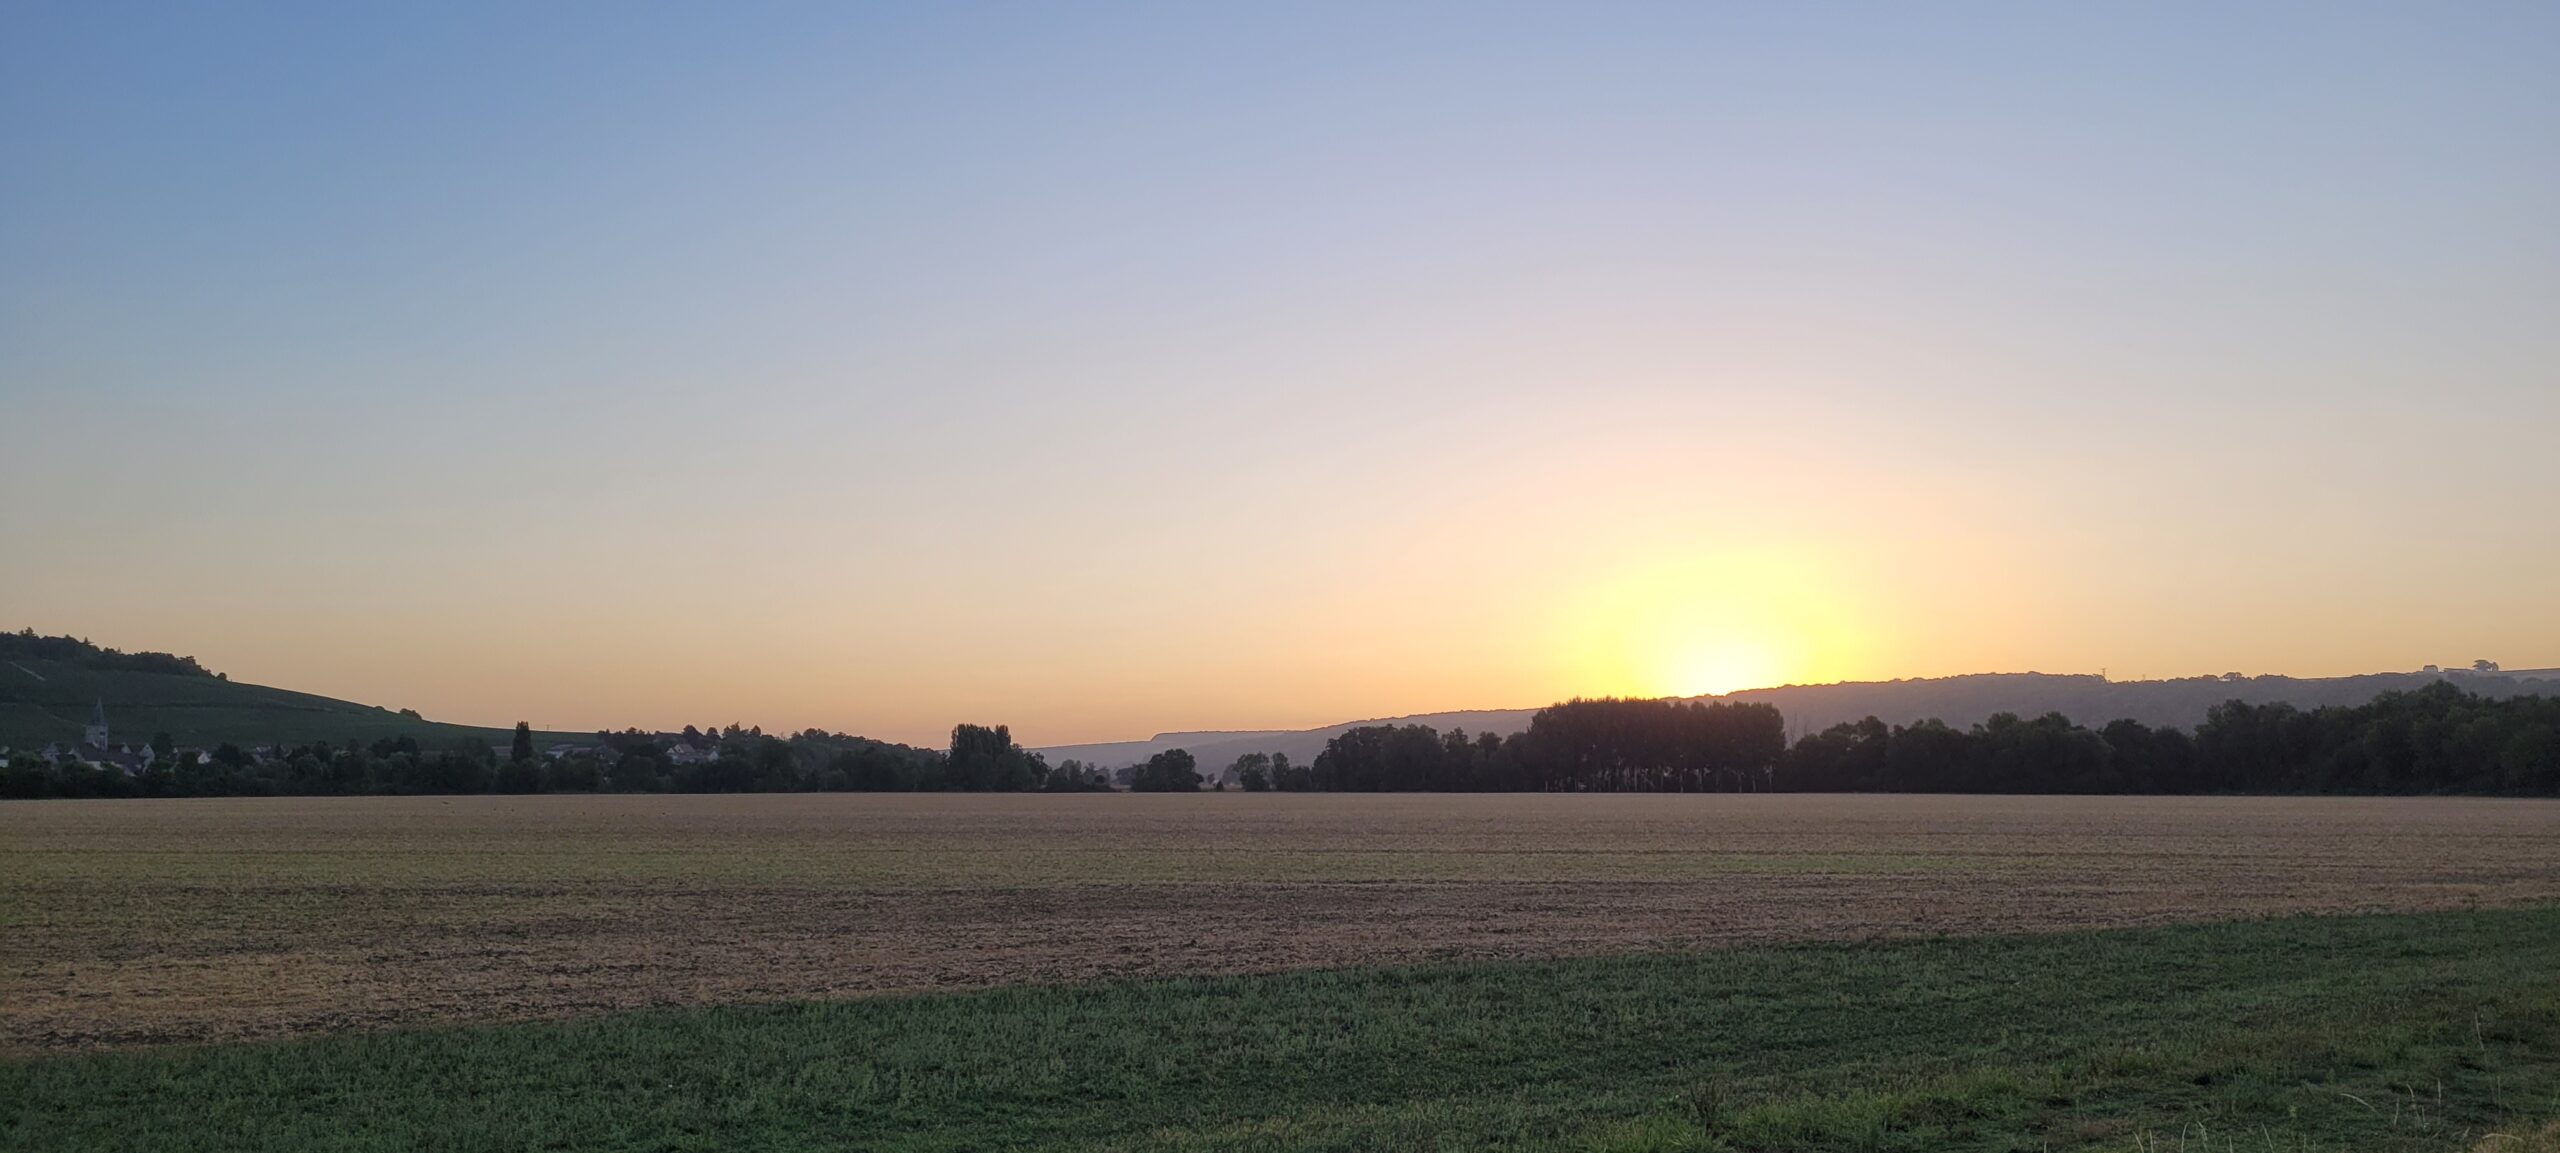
<point>1104,369</point>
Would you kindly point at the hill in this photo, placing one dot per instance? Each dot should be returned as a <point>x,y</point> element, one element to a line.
<point>1960,700</point>
<point>50,698</point>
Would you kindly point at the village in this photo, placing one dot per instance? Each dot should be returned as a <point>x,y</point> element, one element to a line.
<point>99,750</point>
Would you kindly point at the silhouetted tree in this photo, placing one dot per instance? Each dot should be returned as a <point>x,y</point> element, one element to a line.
<point>1582,745</point>
<point>985,759</point>
<point>1171,771</point>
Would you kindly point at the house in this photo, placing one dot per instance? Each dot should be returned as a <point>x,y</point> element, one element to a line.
<point>127,759</point>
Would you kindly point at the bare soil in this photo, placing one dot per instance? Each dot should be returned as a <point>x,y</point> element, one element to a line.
<point>150,922</point>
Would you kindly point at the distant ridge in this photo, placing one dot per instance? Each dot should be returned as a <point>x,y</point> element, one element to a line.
<point>49,685</point>
<point>1958,700</point>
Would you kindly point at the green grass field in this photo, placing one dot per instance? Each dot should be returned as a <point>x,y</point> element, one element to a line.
<point>45,701</point>
<point>2434,1031</point>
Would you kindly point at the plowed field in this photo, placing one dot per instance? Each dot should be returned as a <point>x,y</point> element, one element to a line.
<point>135,922</point>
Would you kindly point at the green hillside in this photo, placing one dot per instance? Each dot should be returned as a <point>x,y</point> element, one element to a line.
<point>51,700</point>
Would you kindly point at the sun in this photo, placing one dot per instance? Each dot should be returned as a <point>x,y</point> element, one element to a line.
<point>1710,625</point>
<point>1721,666</point>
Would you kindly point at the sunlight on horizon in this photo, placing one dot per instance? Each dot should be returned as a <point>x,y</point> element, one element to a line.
<point>1725,667</point>
<point>1718,622</point>
<point>1105,373</point>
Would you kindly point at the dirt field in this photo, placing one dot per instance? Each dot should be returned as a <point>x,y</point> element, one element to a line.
<point>126,922</point>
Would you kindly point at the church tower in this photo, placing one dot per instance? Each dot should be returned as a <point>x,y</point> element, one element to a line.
<point>97,737</point>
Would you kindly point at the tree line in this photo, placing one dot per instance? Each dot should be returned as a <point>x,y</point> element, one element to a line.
<point>1601,745</point>
<point>25,644</point>
<point>2440,739</point>
<point>729,760</point>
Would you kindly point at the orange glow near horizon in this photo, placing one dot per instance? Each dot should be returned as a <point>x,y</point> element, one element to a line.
<point>1715,623</point>
<point>1109,377</point>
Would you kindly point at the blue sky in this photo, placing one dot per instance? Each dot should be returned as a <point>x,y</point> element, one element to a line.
<point>1143,367</point>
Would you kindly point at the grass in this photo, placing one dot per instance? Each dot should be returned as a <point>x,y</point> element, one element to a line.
<point>48,701</point>
<point>2434,1031</point>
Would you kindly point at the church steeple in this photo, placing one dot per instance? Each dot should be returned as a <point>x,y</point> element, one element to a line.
<point>97,735</point>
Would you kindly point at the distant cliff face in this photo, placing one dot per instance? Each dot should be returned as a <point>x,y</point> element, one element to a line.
<point>1961,701</point>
